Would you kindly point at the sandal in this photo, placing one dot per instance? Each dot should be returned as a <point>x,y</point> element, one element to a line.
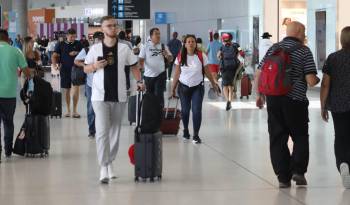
<point>67,115</point>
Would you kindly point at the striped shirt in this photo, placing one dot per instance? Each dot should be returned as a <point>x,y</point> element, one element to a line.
<point>302,63</point>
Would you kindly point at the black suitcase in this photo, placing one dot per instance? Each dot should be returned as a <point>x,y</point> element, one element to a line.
<point>148,150</point>
<point>37,135</point>
<point>132,109</point>
<point>56,108</point>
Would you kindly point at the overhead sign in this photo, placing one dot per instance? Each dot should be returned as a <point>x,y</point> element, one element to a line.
<point>129,9</point>
<point>164,18</point>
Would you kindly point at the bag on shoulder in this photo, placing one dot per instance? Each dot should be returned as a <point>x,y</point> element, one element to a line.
<point>275,72</point>
<point>229,60</point>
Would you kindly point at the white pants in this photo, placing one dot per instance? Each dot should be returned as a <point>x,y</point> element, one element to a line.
<point>108,122</point>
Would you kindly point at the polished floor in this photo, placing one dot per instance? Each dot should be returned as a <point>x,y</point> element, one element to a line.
<point>232,166</point>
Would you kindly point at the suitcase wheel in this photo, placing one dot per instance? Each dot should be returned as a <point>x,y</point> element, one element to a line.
<point>160,177</point>
<point>151,179</point>
<point>136,179</point>
<point>241,97</point>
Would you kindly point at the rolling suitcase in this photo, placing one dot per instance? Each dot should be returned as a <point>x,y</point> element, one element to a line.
<point>246,86</point>
<point>148,150</point>
<point>170,124</point>
<point>56,107</point>
<point>37,133</point>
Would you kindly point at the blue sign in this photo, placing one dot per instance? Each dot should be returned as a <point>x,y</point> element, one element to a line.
<point>164,18</point>
<point>161,18</point>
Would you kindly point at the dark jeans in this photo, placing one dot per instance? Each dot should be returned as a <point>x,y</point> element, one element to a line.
<point>287,117</point>
<point>7,111</point>
<point>157,86</point>
<point>191,96</point>
<point>90,110</point>
<point>342,137</point>
<point>127,76</point>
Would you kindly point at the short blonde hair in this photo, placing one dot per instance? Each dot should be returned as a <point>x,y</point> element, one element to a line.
<point>345,37</point>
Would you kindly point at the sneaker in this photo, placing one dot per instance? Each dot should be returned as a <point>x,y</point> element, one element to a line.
<point>345,175</point>
<point>111,174</point>
<point>228,106</point>
<point>299,179</point>
<point>284,185</point>
<point>186,136</point>
<point>104,175</point>
<point>197,140</point>
<point>91,136</point>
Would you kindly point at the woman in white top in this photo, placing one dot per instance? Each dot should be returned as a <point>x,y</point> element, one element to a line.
<point>191,66</point>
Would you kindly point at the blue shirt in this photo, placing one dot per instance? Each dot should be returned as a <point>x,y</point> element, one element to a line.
<point>81,57</point>
<point>213,49</point>
<point>174,47</point>
<point>63,49</point>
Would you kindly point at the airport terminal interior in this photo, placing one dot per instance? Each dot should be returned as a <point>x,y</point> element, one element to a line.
<point>232,165</point>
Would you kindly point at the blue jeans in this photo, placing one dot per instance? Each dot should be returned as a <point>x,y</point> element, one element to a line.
<point>7,111</point>
<point>191,96</point>
<point>156,86</point>
<point>90,110</point>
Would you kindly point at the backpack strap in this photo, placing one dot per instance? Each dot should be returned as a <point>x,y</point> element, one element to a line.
<point>200,56</point>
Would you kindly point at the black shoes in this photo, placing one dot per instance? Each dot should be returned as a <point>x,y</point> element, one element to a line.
<point>91,136</point>
<point>285,185</point>
<point>299,179</point>
<point>197,140</point>
<point>186,136</point>
<point>228,106</point>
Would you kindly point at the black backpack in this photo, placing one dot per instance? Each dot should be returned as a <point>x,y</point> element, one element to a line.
<point>152,111</point>
<point>41,99</point>
<point>229,60</point>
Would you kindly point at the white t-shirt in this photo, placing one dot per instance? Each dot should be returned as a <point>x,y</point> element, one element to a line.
<point>125,57</point>
<point>264,46</point>
<point>192,75</point>
<point>154,60</point>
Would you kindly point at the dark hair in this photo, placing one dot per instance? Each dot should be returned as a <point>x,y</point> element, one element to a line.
<point>98,34</point>
<point>345,38</point>
<point>151,32</point>
<point>184,49</point>
<point>137,40</point>
<point>4,35</point>
<point>199,40</point>
<point>106,18</point>
<point>27,39</point>
<point>122,35</point>
<point>216,36</point>
<point>71,31</point>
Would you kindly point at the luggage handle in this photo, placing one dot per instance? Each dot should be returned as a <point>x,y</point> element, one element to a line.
<point>167,109</point>
<point>139,97</point>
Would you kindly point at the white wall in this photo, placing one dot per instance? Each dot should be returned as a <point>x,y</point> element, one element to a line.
<point>77,11</point>
<point>330,6</point>
<point>198,16</point>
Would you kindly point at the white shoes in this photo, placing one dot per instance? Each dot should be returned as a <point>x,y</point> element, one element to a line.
<point>111,174</point>
<point>104,179</point>
<point>345,175</point>
<point>106,174</point>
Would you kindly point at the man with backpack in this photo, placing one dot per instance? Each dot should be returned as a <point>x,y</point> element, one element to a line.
<point>153,58</point>
<point>283,77</point>
<point>229,63</point>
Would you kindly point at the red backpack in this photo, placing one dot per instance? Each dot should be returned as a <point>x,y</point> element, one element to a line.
<point>275,72</point>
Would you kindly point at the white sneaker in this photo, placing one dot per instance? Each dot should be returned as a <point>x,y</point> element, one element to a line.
<point>345,175</point>
<point>104,175</point>
<point>111,174</point>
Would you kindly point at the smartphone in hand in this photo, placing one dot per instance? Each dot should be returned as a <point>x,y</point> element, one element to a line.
<point>99,58</point>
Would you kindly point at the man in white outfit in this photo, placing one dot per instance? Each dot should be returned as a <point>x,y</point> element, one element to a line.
<point>109,94</point>
<point>264,45</point>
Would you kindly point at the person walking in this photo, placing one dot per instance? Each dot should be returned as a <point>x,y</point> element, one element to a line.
<point>174,47</point>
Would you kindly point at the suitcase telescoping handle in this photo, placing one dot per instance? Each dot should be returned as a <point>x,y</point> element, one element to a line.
<point>138,111</point>
<point>167,109</point>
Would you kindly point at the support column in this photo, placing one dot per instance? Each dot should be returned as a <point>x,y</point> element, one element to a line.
<point>21,9</point>
<point>343,18</point>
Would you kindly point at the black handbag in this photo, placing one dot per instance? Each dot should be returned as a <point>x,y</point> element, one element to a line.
<point>78,76</point>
